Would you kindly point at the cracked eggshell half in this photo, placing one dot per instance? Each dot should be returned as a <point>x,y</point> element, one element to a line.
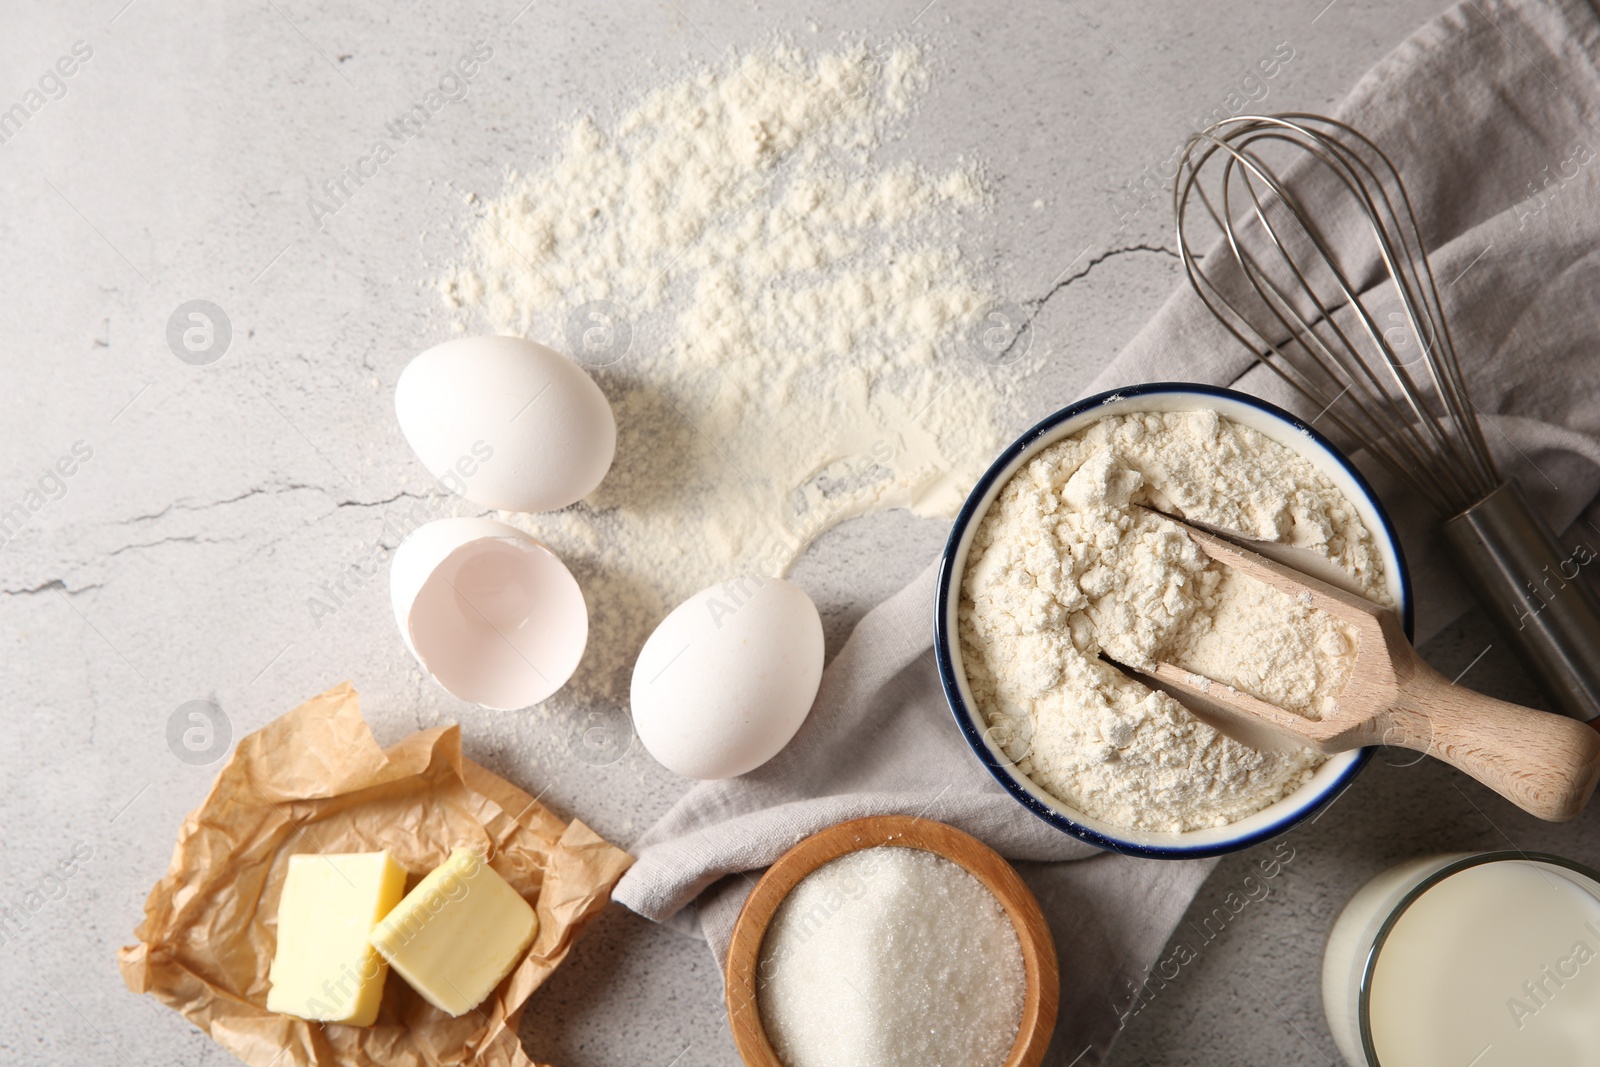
<point>506,423</point>
<point>493,615</point>
<point>725,681</point>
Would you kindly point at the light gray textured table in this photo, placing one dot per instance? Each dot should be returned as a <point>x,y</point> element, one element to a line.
<point>178,563</point>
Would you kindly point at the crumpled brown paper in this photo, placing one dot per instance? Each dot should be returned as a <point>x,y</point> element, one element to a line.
<point>315,780</point>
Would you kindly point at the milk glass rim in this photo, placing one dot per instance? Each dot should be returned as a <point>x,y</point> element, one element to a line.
<point>1412,895</point>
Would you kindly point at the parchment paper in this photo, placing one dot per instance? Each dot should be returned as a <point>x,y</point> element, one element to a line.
<point>315,780</point>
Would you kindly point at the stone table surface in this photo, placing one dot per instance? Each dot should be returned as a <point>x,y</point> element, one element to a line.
<point>176,563</point>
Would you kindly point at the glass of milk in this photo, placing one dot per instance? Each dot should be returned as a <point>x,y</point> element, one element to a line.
<point>1468,960</point>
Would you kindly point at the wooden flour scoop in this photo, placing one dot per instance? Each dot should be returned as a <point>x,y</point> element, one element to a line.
<point>1545,764</point>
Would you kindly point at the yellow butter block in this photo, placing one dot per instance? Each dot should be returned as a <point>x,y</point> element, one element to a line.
<point>458,933</point>
<point>324,968</point>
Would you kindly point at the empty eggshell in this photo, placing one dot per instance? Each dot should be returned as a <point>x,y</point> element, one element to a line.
<point>488,611</point>
<point>506,423</point>
<point>728,677</point>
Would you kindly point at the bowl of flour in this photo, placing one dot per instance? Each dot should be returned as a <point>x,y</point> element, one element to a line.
<point>1060,566</point>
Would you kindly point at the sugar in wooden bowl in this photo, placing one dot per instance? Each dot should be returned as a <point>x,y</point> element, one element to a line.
<point>891,940</point>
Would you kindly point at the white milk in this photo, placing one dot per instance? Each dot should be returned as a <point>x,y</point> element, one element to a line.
<point>1497,964</point>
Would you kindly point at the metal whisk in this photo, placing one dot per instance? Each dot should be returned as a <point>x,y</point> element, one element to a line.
<point>1319,237</point>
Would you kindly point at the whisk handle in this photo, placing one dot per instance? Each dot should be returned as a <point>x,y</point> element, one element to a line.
<point>1537,594</point>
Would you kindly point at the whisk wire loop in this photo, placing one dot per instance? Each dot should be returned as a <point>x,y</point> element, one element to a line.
<point>1424,428</point>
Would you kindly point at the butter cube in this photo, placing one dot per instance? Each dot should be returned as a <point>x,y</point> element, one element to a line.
<point>325,968</point>
<point>458,933</point>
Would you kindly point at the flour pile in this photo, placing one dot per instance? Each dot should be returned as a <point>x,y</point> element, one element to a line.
<point>780,320</point>
<point>1065,567</point>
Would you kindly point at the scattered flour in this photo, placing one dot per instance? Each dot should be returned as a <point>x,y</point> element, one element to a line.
<point>779,319</point>
<point>1064,567</point>
<point>891,956</point>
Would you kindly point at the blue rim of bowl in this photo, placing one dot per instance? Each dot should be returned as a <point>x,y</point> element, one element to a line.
<point>942,638</point>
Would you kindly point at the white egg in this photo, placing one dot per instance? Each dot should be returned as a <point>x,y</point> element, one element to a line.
<point>506,423</point>
<point>727,678</point>
<point>488,611</point>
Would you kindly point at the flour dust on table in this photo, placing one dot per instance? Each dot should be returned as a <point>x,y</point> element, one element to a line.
<point>781,319</point>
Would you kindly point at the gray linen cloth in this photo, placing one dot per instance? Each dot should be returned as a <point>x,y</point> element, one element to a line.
<point>1492,115</point>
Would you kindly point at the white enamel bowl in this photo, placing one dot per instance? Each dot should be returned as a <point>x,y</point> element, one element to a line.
<point>1246,410</point>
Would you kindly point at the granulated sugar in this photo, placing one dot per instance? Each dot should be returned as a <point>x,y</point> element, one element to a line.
<point>891,956</point>
<point>1064,567</point>
<point>779,318</point>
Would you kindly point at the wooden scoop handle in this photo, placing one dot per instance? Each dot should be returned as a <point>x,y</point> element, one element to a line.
<point>1545,764</point>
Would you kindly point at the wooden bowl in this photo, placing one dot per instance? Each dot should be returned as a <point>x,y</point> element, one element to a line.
<point>983,863</point>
